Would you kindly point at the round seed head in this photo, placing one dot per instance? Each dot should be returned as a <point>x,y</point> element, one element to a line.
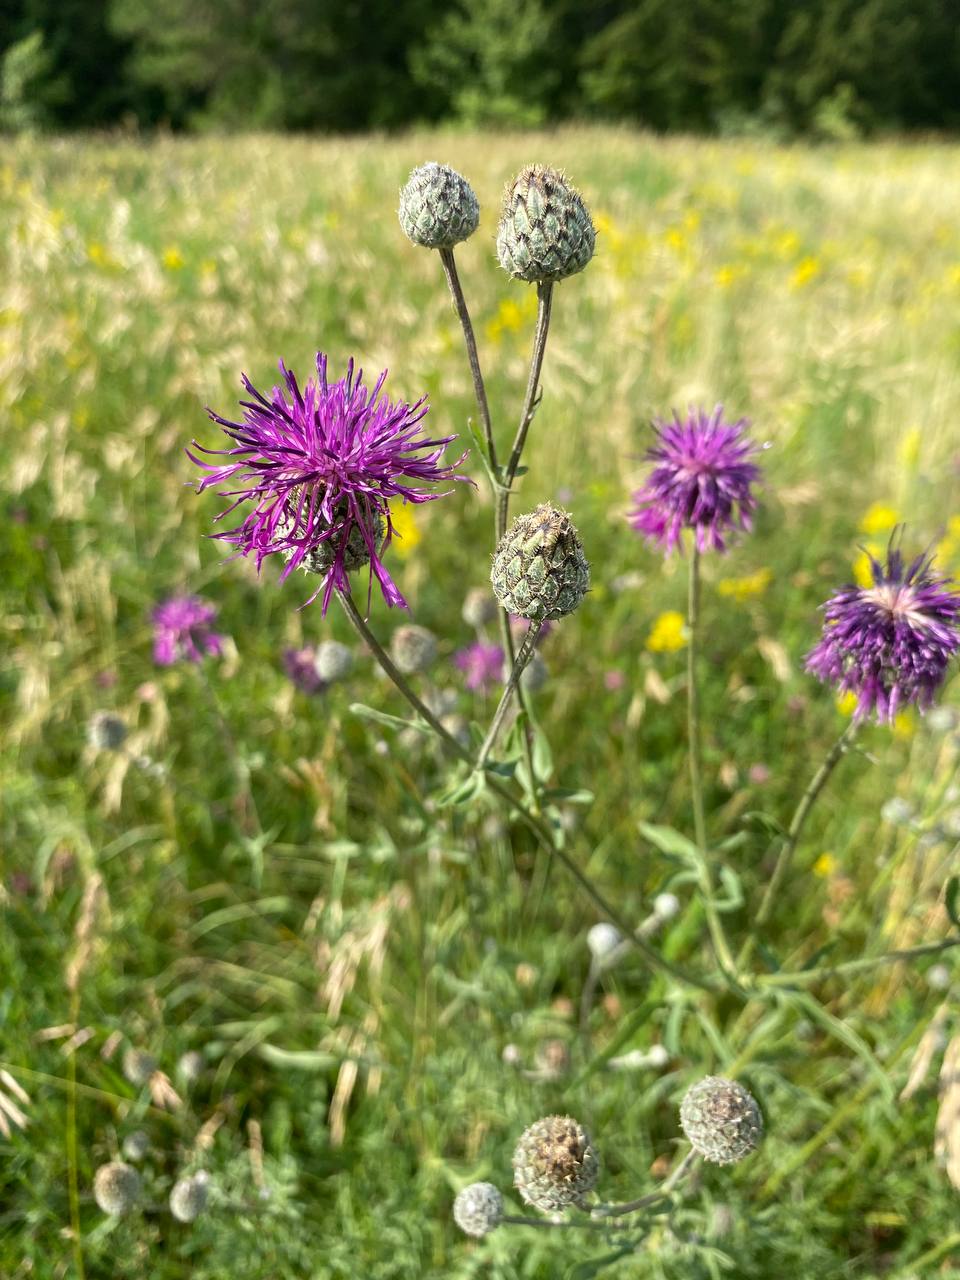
<point>555,1164</point>
<point>539,569</point>
<point>666,905</point>
<point>332,661</point>
<point>413,648</point>
<point>136,1145</point>
<point>437,207</point>
<point>106,732</point>
<point>478,1208</point>
<point>535,674</point>
<point>479,607</point>
<point>116,1188</point>
<point>721,1119</point>
<point>188,1198</point>
<point>603,939</point>
<point>190,1066</point>
<point>138,1067</point>
<point>545,232</point>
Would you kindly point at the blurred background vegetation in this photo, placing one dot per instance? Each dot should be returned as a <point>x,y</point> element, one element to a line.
<point>832,68</point>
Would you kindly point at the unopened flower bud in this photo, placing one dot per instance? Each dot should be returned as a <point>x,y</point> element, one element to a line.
<point>437,207</point>
<point>539,569</point>
<point>332,661</point>
<point>555,1164</point>
<point>138,1067</point>
<point>116,1188</point>
<point>136,1145</point>
<point>479,607</point>
<point>413,649</point>
<point>721,1119</point>
<point>188,1198</point>
<point>478,1208</point>
<point>666,905</point>
<point>603,939</point>
<point>545,232</point>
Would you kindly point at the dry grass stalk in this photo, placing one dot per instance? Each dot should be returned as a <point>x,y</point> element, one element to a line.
<point>930,1043</point>
<point>946,1145</point>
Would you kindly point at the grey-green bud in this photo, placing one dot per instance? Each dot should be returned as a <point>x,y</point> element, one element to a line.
<point>437,207</point>
<point>332,661</point>
<point>545,232</point>
<point>555,1164</point>
<point>136,1145</point>
<point>188,1199</point>
<point>413,648</point>
<point>138,1067</point>
<point>721,1119</point>
<point>539,569</point>
<point>478,1208</point>
<point>116,1188</point>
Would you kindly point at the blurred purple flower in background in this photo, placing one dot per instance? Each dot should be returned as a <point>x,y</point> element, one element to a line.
<point>889,643</point>
<point>700,480</point>
<point>301,668</point>
<point>482,664</point>
<point>319,467</point>
<point>181,631</point>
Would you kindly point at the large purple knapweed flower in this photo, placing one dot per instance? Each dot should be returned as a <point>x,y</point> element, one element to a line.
<point>181,631</point>
<point>700,480</point>
<point>482,664</point>
<point>318,468</point>
<point>889,643</point>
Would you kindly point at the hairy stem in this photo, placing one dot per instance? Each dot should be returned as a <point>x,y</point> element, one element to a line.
<point>520,662</point>
<point>663,1192</point>
<point>694,736</point>
<point>804,977</point>
<point>544,307</point>
<point>469,338</point>
<point>535,824</point>
<point>794,831</point>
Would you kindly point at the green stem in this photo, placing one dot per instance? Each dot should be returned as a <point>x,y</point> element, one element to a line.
<point>544,307</point>
<point>533,822</point>
<point>509,649</point>
<point>460,303</point>
<point>795,830</point>
<point>72,1159</point>
<point>516,671</point>
<point>663,1192</point>
<point>694,737</point>
<point>802,977</point>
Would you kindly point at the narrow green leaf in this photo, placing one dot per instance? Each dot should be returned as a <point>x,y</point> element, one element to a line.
<point>950,900</point>
<point>670,841</point>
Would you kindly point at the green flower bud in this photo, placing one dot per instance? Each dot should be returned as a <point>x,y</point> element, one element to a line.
<point>555,1164</point>
<point>545,231</point>
<point>478,1208</point>
<point>539,569</point>
<point>437,207</point>
<point>721,1119</point>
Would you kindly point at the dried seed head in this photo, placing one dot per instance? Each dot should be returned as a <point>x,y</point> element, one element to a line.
<point>116,1187</point>
<point>721,1119</point>
<point>545,232</point>
<point>105,731</point>
<point>136,1145</point>
<point>188,1198</point>
<point>413,648</point>
<point>478,1208</point>
<point>555,1164</point>
<point>539,569</point>
<point>479,607</point>
<point>437,207</point>
<point>138,1067</point>
<point>603,939</point>
<point>332,661</point>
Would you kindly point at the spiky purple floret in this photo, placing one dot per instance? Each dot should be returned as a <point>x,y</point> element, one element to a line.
<point>319,463</point>
<point>482,664</point>
<point>890,643</point>
<point>701,480</point>
<point>181,631</point>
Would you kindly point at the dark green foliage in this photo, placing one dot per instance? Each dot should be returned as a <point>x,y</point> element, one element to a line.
<point>831,67</point>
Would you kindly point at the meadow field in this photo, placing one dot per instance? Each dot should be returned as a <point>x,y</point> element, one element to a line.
<point>384,989</point>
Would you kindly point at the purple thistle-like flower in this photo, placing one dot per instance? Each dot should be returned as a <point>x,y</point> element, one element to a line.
<point>181,631</point>
<point>482,664</point>
<point>700,480</point>
<point>320,466</point>
<point>889,643</point>
<point>301,668</point>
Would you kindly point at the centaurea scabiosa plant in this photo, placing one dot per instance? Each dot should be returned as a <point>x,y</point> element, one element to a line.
<point>316,473</point>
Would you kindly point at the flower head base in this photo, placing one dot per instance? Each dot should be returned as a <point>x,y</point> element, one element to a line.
<point>889,644</point>
<point>721,1119</point>
<point>318,467</point>
<point>701,480</point>
<point>181,631</point>
<point>555,1164</point>
<point>478,1209</point>
<point>482,664</point>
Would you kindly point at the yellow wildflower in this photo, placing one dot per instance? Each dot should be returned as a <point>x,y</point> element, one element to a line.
<point>847,703</point>
<point>879,519</point>
<point>668,633</point>
<point>172,258</point>
<point>806,270</point>
<point>751,584</point>
<point>405,528</point>
<point>825,865</point>
<point>904,725</point>
<point>909,449</point>
<point>862,568</point>
<point>948,552</point>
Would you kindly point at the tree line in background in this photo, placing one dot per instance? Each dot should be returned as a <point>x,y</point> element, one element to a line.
<point>832,68</point>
